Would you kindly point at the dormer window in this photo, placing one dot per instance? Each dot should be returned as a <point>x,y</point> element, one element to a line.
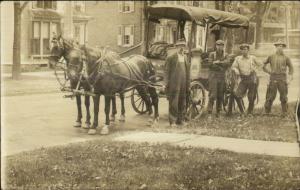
<point>126,6</point>
<point>79,6</point>
<point>44,4</point>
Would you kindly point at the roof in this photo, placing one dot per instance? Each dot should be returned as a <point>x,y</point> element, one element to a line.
<point>200,15</point>
<point>46,14</point>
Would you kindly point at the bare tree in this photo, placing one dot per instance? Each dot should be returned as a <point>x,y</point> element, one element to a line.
<point>16,67</point>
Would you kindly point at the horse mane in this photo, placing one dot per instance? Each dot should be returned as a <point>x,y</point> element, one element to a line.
<point>69,42</point>
<point>91,52</point>
<point>111,56</point>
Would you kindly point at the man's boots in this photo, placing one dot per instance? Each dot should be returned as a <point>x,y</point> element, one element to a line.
<point>250,107</point>
<point>239,102</point>
<point>284,109</point>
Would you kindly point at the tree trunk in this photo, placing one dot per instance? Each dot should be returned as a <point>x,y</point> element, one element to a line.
<point>145,30</point>
<point>259,32</point>
<point>261,9</point>
<point>16,67</point>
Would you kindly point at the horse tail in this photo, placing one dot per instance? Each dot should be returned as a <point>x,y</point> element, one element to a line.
<point>152,71</point>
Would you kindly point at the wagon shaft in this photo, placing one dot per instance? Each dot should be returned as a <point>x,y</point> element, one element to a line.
<point>78,92</point>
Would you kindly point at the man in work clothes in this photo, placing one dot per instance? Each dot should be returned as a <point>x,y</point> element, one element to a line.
<point>218,63</point>
<point>177,72</point>
<point>278,77</point>
<point>246,66</point>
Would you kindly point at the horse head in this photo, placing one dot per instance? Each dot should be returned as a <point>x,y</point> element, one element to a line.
<point>65,49</point>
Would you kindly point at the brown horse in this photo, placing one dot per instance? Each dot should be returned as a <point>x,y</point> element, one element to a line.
<point>110,75</point>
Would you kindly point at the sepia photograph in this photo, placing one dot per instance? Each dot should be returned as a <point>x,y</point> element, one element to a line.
<point>150,95</point>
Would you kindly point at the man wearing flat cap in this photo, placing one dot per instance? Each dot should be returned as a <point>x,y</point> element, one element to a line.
<point>218,63</point>
<point>246,66</point>
<point>279,63</point>
<point>177,76</point>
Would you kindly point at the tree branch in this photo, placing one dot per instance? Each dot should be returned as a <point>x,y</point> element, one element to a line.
<point>24,5</point>
<point>268,6</point>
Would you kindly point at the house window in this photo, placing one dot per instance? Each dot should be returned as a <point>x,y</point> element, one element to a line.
<point>79,33</point>
<point>197,3</point>
<point>200,37</point>
<point>159,33</point>
<point>36,38</point>
<point>295,21</point>
<point>79,6</point>
<point>46,37</point>
<point>125,35</point>
<point>126,6</point>
<point>44,4</point>
<point>41,35</point>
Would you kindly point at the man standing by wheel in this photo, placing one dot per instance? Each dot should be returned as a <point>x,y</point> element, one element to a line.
<point>218,63</point>
<point>177,73</point>
<point>279,63</point>
<point>246,65</point>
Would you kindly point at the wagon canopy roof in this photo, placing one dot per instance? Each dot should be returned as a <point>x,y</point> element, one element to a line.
<point>200,15</point>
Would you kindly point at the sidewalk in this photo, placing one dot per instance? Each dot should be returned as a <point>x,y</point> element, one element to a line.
<point>43,74</point>
<point>272,148</point>
<point>29,83</point>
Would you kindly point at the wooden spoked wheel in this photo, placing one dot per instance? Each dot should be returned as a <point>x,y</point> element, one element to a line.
<point>196,100</point>
<point>138,104</point>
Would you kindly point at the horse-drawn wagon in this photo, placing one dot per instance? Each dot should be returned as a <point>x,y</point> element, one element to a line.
<point>195,16</point>
<point>94,72</point>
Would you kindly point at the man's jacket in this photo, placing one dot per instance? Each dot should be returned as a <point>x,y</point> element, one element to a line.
<point>171,77</point>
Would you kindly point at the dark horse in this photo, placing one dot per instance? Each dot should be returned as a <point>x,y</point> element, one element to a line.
<point>68,52</point>
<point>74,57</point>
<point>111,75</point>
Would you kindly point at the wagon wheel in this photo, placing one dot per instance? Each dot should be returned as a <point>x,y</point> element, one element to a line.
<point>227,103</point>
<point>196,100</point>
<point>60,72</point>
<point>138,104</point>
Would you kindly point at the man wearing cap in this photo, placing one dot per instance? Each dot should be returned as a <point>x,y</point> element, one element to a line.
<point>279,63</point>
<point>218,63</point>
<point>177,72</point>
<point>246,66</point>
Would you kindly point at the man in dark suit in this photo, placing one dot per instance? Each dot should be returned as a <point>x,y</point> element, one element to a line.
<point>177,76</point>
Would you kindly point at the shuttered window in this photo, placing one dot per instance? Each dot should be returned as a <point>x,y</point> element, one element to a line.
<point>125,36</point>
<point>126,6</point>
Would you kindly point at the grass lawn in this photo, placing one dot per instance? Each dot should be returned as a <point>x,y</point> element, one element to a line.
<point>259,127</point>
<point>102,164</point>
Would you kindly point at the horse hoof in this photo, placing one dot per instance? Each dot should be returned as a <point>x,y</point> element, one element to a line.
<point>150,122</point>
<point>86,126</point>
<point>104,130</point>
<point>92,131</point>
<point>112,118</point>
<point>155,122</point>
<point>122,118</point>
<point>77,124</point>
